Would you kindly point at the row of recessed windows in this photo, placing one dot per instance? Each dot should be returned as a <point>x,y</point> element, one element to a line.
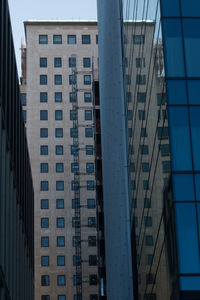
<point>58,97</point>
<point>59,132</point>
<point>60,203</point>
<point>45,260</point>
<point>59,115</point>
<point>61,280</point>
<point>71,62</point>
<point>44,150</point>
<point>63,297</point>
<point>71,39</point>
<point>60,242</point>
<point>44,185</point>
<point>60,222</point>
<point>44,167</point>
<point>58,79</point>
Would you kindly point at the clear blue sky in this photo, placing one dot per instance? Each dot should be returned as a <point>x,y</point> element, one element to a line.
<point>21,10</point>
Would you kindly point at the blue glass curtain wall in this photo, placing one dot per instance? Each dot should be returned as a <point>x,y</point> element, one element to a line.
<point>181,39</point>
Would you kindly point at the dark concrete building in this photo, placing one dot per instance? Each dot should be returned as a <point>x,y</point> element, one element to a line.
<point>16,189</point>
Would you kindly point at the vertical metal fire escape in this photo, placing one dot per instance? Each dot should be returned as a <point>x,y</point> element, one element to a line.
<point>76,183</point>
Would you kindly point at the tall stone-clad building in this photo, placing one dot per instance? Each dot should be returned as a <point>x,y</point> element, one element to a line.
<point>16,187</point>
<point>59,67</point>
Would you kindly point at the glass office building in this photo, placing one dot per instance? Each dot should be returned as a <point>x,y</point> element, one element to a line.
<point>160,62</point>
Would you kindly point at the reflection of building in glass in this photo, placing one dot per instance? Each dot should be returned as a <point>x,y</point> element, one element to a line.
<point>163,192</point>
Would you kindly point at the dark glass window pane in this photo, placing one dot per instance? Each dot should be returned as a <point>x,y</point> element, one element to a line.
<point>86,62</point>
<point>187,238</point>
<point>180,138</point>
<point>71,39</point>
<point>44,203</point>
<point>44,185</point>
<point>89,150</point>
<point>190,8</point>
<point>183,186</point>
<point>43,39</point>
<point>60,241</point>
<point>72,62</point>
<point>194,91</point>
<point>87,97</point>
<point>87,79</point>
<point>58,97</point>
<point>86,39</point>
<point>138,39</point>
<point>43,150</point>
<point>45,261</point>
<point>43,79</point>
<point>74,132</point>
<point>59,150</point>
<point>44,222</point>
<point>58,115</point>
<point>195,131</point>
<point>141,97</point>
<point>44,115</point>
<point>60,260</point>
<point>57,39</point>
<point>44,168</point>
<point>90,203</point>
<point>43,97</point>
<point>192,46</point>
<point>189,283</point>
<point>58,79</point>
<point>59,203</point>
<point>173,48</point>
<point>57,62</point>
<point>59,167</point>
<point>60,222</point>
<point>44,241</point>
<point>59,132</point>
<point>61,280</point>
<point>88,115</point>
<point>72,97</point>
<point>90,185</point>
<point>88,132</point>
<point>45,280</point>
<point>170,8</point>
<point>176,92</point>
<point>43,62</point>
<point>59,185</point>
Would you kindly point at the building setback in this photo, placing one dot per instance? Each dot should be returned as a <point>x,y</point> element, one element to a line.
<point>16,187</point>
<point>60,61</point>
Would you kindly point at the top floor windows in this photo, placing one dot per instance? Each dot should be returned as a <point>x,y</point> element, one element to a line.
<point>86,39</point>
<point>43,39</point>
<point>138,39</point>
<point>71,39</point>
<point>57,39</point>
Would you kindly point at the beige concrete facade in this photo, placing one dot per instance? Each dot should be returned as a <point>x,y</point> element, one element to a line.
<point>48,251</point>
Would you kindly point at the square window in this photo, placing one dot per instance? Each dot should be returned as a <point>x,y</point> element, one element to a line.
<point>141,114</point>
<point>90,185</point>
<point>93,279</point>
<point>44,261</point>
<point>138,39</point>
<point>60,241</point>
<point>71,39</point>
<point>163,133</point>
<point>90,203</point>
<point>59,167</point>
<point>88,132</point>
<point>75,241</point>
<point>147,203</point>
<point>89,149</point>
<point>141,97</point>
<point>59,132</point>
<point>43,150</point>
<point>43,79</point>
<point>143,132</point>
<point>43,97</point>
<point>44,115</point>
<point>74,150</point>
<point>45,280</point>
<point>74,132</point>
<point>58,115</point>
<point>144,149</point>
<point>60,222</point>
<point>86,39</point>
<point>86,62</point>
<point>59,203</point>
<point>166,166</point>
<point>93,297</point>
<point>73,114</point>
<point>164,149</point>
<point>91,222</point>
<point>140,62</point>
<point>44,204</point>
<point>88,114</point>
<point>72,79</point>
<point>57,39</point>
<point>44,222</point>
<point>145,184</point>
<point>75,222</point>
<point>161,99</point>
<point>43,62</point>
<point>57,79</point>
<point>87,97</point>
<point>44,185</point>
<point>59,185</point>
<point>140,79</point>
<point>74,167</point>
<point>60,260</point>
<point>92,260</point>
<point>90,167</point>
<point>145,167</point>
<point>45,297</point>
<point>61,297</point>
<point>76,260</point>
<point>43,39</point>
<point>59,150</point>
<point>87,79</point>
<point>149,240</point>
<point>72,97</point>
<point>72,62</point>
<point>44,241</point>
<point>75,203</point>
<point>149,259</point>
<point>57,62</point>
<point>58,97</point>
<point>148,221</point>
<point>61,280</point>
<point>76,280</point>
<point>92,241</point>
<point>43,132</point>
<point>74,185</point>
